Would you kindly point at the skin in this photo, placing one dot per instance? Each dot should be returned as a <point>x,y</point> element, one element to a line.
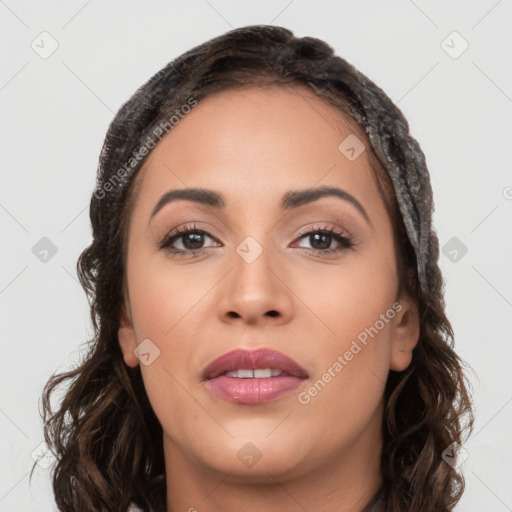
<point>253,146</point>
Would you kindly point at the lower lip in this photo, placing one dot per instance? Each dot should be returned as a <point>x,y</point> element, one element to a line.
<point>252,391</point>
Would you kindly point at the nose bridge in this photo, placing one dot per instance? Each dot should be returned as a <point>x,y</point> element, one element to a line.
<point>253,263</point>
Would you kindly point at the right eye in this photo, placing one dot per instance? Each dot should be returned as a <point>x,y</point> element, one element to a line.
<point>187,241</point>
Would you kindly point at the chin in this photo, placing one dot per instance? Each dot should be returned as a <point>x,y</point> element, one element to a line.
<point>261,460</point>
<point>263,472</point>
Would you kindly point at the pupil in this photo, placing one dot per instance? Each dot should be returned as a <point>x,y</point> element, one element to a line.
<point>193,241</point>
<point>326,241</point>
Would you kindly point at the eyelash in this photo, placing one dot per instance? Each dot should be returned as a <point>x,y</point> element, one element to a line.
<point>345,242</point>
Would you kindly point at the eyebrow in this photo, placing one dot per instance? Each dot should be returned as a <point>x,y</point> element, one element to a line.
<point>291,199</point>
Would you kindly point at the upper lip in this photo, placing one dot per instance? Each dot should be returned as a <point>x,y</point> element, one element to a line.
<point>251,360</point>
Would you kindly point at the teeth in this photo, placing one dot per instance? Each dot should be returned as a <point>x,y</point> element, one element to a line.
<point>259,373</point>
<point>262,373</point>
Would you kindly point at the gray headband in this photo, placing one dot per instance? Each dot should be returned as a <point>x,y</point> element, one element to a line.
<point>411,182</point>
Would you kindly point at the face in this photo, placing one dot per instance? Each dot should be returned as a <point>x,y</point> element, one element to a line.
<point>314,279</point>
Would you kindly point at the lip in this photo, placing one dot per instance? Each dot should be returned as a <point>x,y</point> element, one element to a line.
<point>251,360</point>
<point>253,390</point>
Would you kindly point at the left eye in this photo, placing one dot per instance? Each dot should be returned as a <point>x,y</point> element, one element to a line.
<point>321,240</point>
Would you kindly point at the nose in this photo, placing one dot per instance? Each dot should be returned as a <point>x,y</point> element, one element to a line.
<point>256,292</point>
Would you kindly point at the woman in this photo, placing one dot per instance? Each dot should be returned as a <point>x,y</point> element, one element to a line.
<point>269,320</point>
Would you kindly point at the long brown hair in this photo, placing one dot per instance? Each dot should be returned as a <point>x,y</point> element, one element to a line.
<point>104,433</point>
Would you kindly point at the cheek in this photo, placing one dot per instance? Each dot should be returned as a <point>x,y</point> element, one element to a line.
<point>163,298</point>
<point>353,362</point>
<point>164,306</point>
<point>350,297</point>
<point>355,302</point>
<point>169,308</point>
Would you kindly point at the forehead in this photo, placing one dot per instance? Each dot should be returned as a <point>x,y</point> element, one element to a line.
<point>266,140</point>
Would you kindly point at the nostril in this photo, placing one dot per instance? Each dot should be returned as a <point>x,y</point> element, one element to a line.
<point>234,314</point>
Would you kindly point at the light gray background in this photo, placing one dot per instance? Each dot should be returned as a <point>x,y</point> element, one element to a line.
<point>54,115</point>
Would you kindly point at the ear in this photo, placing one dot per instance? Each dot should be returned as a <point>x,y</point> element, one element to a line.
<point>406,333</point>
<point>127,338</point>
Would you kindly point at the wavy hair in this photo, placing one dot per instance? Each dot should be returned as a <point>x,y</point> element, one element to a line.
<point>104,434</point>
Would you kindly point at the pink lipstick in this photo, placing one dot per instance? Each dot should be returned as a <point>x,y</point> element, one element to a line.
<point>253,376</point>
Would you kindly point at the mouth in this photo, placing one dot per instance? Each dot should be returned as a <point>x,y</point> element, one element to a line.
<point>253,376</point>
